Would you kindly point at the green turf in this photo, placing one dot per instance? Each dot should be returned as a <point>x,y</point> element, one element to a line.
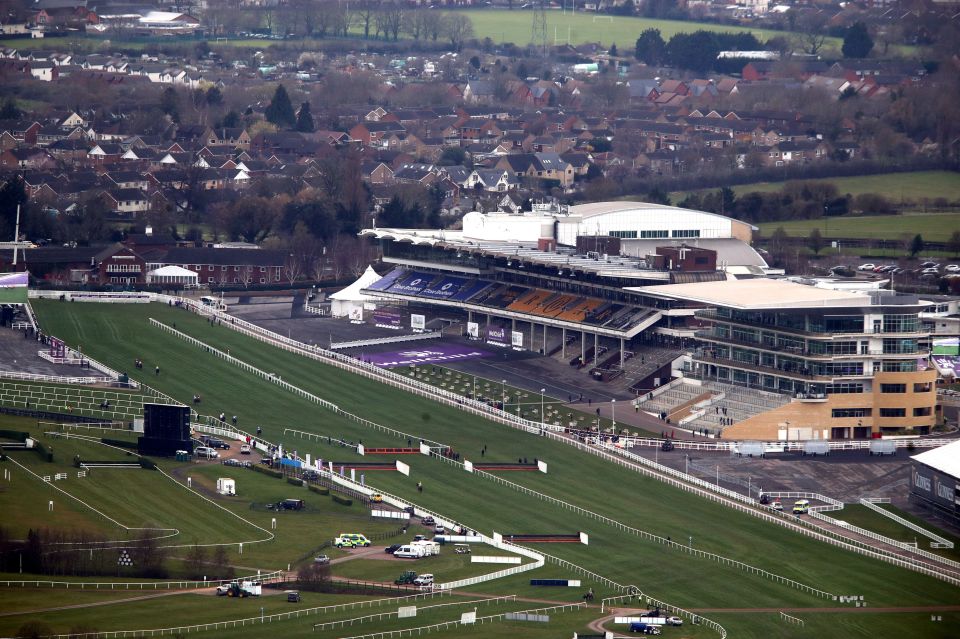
<point>581,479</point>
<point>864,517</point>
<point>934,227</point>
<point>515,26</point>
<point>913,187</point>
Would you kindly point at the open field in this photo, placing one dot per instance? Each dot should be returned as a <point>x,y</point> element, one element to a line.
<point>499,25</point>
<point>932,226</point>
<point>116,334</point>
<point>515,26</point>
<point>896,187</point>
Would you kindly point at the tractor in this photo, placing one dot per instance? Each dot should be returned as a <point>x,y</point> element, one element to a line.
<point>407,577</point>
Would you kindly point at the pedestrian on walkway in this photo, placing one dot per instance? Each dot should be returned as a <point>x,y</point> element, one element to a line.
<point>157,370</point>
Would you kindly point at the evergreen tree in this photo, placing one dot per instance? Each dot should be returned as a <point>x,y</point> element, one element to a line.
<point>280,111</point>
<point>304,119</point>
<point>916,245</point>
<point>857,42</point>
<point>170,103</point>
<point>650,48</point>
<point>9,110</point>
<point>815,241</point>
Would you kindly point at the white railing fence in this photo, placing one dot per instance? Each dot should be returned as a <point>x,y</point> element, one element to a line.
<point>938,541</point>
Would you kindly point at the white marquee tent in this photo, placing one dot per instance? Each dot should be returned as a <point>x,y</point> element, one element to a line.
<point>350,298</point>
<point>172,275</point>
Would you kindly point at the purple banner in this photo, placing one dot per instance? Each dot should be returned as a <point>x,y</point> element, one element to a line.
<point>498,336</point>
<point>432,354</point>
<point>946,364</point>
<point>386,317</point>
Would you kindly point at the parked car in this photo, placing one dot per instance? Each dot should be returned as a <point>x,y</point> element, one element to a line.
<point>392,548</point>
<point>266,461</point>
<point>218,443</point>
<point>928,265</point>
<point>930,271</point>
<point>644,628</point>
<point>244,449</point>
<point>311,475</point>
<point>321,559</point>
<point>424,580</point>
<point>232,462</point>
<point>206,452</point>
<point>867,267</point>
<point>293,596</point>
<point>777,505</point>
<point>428,521</point>
<point>290,504</point>
<point>674,621</point>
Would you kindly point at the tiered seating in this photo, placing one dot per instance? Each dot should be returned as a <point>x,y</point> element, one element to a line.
<point>579,309</point>
<point>740,403</point>
<point>556,304</point>
<point>513,297</point>
<point>528,303</point>
<point>669,400</point>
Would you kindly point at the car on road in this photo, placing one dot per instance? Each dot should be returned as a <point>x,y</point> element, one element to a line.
<point>439,529</point>
<point>321,559</point>
<point>428,521</point>
<point>777,505</point>
<point>232,462</point>
<point>674,621</point>
<point>293,596</point>
<point>206,452</point>
<point>266,461</point>
<point>244,449</point>
<point>217,443</point>
<point>867,267</point>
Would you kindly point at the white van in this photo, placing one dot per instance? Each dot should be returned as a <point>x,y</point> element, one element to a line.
<point>408,552</point>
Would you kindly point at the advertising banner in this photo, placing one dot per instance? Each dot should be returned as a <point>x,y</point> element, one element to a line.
<point>418,322</point>
<point>413,284</point>
<point>387,317</point>
<point>473,330</point>
<point>516,338</point>
<point>356,314</point>
<point>444,289</point>
<point>497,336</point>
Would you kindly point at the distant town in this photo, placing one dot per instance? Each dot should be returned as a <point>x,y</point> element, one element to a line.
<point>294,125</point>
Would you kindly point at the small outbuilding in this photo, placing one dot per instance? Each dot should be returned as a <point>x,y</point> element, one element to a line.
<point>226,486</point>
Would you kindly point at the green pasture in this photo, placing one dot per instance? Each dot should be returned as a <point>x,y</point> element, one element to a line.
<point>914,187</point>
<point>516,27</point>
<point>119,333</point>
<point>934,227</point>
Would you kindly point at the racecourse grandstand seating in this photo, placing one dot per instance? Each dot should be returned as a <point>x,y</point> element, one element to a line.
<point>511,297</point>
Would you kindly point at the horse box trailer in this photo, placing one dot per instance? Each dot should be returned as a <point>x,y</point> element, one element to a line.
<point>417,549</point>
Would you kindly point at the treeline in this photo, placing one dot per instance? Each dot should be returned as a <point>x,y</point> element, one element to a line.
<point>80,553</point>
<point>695,51</point>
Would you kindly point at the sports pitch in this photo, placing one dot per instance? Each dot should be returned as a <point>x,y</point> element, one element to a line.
<point>746,604</point>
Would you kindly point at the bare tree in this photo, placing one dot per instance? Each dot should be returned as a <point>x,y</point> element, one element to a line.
<point>433,24</point>
<point>366,11</point>
<point>813,33</point>
<point>459,29</point>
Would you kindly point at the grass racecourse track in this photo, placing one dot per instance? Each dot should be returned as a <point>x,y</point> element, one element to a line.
<point>934,227</point>
<point>116,334</point>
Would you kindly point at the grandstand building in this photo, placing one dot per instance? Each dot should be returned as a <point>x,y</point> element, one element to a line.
<point>606,284</point>
<point>853,363</point>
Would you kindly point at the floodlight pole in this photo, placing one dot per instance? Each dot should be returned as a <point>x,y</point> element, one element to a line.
<point>542,391</point>
<point>16,236</point>
<point>613,414</point>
